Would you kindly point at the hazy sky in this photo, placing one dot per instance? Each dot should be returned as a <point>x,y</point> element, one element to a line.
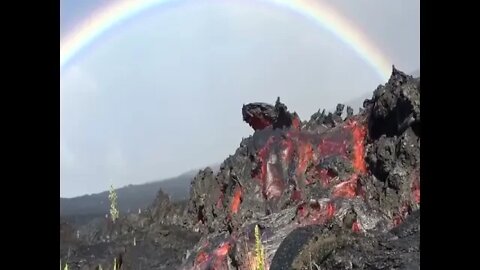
<point>162,93</point>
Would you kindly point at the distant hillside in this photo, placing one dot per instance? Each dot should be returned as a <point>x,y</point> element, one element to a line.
<point>130,198</point>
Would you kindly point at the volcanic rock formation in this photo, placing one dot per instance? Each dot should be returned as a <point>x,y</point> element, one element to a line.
<point>333,192</point>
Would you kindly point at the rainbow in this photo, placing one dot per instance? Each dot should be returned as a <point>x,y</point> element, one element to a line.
<point>317,11</point>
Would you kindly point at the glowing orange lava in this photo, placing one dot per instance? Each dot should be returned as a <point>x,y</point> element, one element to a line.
<point>359,132</point>
<point>305,155</point>
<point>222,250</point>
<point>237,196</point>
<point>347,189</point>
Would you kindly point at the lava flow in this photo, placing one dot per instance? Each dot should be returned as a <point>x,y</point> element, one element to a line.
<point>289,195</point>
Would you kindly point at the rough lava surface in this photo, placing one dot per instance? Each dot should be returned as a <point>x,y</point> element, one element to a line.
<point>331,192</point>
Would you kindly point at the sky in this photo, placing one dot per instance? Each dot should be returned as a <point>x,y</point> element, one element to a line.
<point>161,93</point>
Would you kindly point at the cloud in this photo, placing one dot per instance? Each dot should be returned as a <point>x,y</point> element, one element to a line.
<point>78,89</point>
<point>116,162</point>
<point>75,86</point>
<point>126,110</point>
<point>76,80</point>
<point>67,157</point>
<point>78,94</point>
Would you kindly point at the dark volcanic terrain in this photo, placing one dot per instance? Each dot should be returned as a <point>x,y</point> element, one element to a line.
<point>332,192</point>
<point>131,198</point>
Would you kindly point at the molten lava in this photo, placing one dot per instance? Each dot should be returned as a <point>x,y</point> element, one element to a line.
<point>260,123</point>
<point>315,212</point>
<point>347,189</point>
<point>237,197</point>
<point>222,250</point>
<point>201,258</point>
<point>329,148</point>
<point>296,196</point>
<point>359,133</point>
<point>416,194</point>
<point>325,176</point>
<point>305,156</point>
<point>356,227</point>
<point>274,182</point>
<point>287,151</point>
<point>416,188</point>
<point>262,155</point>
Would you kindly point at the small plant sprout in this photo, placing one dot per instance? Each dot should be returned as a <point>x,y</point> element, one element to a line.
<point>134,241</point>
<point>112,196</point>
<point>66,267</point>
<point>114,263</point>
<point>259,250</point>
